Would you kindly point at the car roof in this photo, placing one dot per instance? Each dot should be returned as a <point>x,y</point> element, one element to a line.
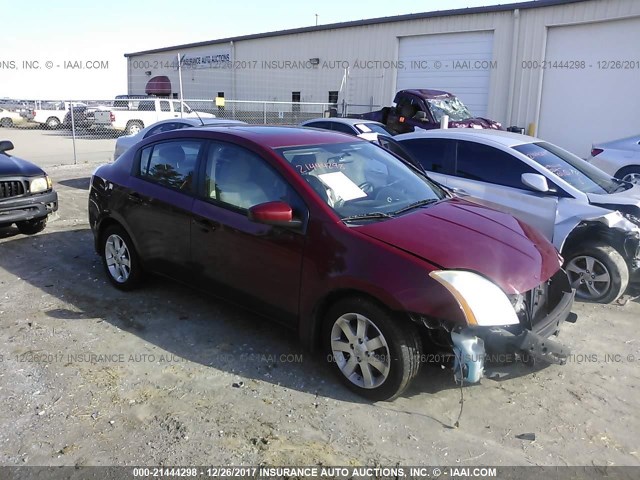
<point>507,139</point>
<point>196,122</point>
<point>272,136</point>
<point>346,121</point>
<point>428,93</point>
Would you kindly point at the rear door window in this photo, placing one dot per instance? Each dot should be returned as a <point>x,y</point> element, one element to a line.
<point>171,164</point>
<point>341,127</point>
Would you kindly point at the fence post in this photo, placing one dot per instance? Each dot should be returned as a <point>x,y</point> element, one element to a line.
<point>73,133</point>
<point>264,112</point>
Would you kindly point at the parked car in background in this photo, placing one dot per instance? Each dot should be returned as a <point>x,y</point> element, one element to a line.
<point>51,114</point>
<point>125,142</point>
<point>424,109</point>
<point>10,118</point>
<point>83,118</point>
<point>336,238</point>
<point>26,193</point>
<point>592,218</point>
<point>367,129</point>
<point>618,158</point>
<point>135,114</point>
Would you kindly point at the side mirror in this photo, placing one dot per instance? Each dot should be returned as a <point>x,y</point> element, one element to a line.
<point>5,145</point>
<point>535,181</point>
<point>273,213</point>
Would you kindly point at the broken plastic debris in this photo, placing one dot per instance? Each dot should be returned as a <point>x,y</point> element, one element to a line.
<point>527,436</point>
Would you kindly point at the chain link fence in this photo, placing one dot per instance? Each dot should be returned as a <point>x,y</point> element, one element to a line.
<point>91,127</point>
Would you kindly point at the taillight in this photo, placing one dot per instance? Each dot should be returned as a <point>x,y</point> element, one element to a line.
<point>112,117</point>
<point>596,151</point>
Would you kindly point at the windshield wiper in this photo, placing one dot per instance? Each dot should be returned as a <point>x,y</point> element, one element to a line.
<point>366,216</point>
<point>419,203</point>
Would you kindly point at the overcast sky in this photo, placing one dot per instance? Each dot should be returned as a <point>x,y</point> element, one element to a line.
<point>77,30</point>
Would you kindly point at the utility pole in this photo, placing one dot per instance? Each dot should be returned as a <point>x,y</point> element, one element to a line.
<point>316,19</point>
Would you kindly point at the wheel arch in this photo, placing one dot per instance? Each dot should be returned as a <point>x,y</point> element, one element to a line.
<point>591,231</point>
<point>627,169</point>
<point>106,223</point>
<point>311,336</point>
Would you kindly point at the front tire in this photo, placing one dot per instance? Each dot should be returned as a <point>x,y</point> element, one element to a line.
<point>598,272</point>
<point>120,258</point>
<point>6,123</point>
<point>375,354</point>
<point>31,227</point>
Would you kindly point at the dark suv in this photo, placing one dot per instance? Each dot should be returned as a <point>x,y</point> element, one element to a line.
<point>26,193</point>
<point>83,118</point>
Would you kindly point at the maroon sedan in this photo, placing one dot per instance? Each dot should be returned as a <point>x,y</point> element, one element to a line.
<point>336,238</point>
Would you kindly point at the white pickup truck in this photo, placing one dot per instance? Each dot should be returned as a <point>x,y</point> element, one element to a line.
<point>132,115</point>
<point>51,114</point>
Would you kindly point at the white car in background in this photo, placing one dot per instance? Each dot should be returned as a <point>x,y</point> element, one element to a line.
<point>367,129</point>
<point>10,119</point>
<point>123,143</point>
<point>619,158</point>
<point>592,218</point>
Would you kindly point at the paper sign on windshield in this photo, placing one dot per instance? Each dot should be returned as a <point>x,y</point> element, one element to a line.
<point>342,185</point>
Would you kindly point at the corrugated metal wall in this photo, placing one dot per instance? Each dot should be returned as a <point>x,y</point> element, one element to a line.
<point>514,95</point>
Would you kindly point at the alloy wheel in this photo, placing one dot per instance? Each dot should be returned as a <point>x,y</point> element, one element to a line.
<point>588,276</point>
<point>118,258</point>
<point>360,350</point>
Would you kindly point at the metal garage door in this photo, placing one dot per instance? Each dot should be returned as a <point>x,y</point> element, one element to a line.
<point>455,62</point>
<point>600,101</point>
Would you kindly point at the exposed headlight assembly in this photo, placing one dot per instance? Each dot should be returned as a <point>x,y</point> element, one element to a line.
<point>40,184</point>
<point>482,302</point>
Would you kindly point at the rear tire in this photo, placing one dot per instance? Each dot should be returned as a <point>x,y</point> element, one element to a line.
<point>375,354</point>
<point>629,174</point>
<point>6,122</point>
<point>31,227</point>
<point>134,127</point>
<point>52,123</point>
<point>598,272</point>
<point>120,259</point>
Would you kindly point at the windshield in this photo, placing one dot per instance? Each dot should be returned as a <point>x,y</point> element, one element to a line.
<point>360,179</point>
<point>573,170</point>
<point>451,106</point>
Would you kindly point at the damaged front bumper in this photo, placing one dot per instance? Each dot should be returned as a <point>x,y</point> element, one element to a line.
<point>529,340</point>
<point>534,343</point>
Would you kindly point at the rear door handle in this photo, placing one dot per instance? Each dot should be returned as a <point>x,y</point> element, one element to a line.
<point>205,225</point>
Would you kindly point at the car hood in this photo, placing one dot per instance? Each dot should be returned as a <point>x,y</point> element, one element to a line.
<point>627,201</point>
<point>475,122</point>
<point>13,166</point>
<point>455,234</point>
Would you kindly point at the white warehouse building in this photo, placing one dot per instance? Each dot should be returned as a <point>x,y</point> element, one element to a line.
<point>566,70</point>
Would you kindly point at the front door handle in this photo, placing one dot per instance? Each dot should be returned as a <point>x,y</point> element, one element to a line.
<point>135,198</point>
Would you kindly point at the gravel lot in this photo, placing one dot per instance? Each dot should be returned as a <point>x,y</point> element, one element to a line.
<point>164,376</point>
